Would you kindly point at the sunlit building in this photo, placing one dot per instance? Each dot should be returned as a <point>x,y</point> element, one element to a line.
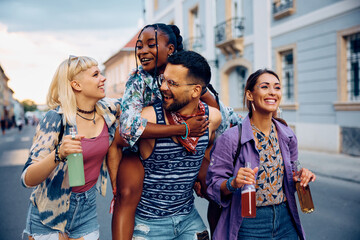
<point>6,99</point>
<point>313,46</point>
<point>118,67</point>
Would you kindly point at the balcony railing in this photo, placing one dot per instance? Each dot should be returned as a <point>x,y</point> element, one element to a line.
<point>283,8</point>
<point>228,30</point>
<point>194,43</point>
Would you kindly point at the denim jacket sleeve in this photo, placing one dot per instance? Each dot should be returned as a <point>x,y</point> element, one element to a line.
<point>50,196</point>
<point>45,139</point>
<point>221,165</point>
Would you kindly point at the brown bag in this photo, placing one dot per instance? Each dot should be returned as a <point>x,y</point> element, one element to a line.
<point>214,210</point>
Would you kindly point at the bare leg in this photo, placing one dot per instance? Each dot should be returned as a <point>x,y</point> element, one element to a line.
<point>61,237</point>
<point>129,184</point>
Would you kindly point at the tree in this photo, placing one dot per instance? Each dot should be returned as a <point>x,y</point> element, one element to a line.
<point>29,105</point>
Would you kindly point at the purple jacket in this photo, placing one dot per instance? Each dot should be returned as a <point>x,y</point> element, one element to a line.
<point>221,168</point>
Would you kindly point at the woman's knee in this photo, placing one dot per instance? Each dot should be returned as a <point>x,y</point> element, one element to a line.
<point>130,178</point>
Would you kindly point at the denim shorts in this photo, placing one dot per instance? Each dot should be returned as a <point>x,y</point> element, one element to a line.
<point>182,227</point>
<point>81,219</point>
<point>272,222</point>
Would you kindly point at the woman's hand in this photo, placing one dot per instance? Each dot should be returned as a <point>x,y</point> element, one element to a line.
<point>244,176</point>
<point>70,146</point>
<point>305,177</point>
<point>40,170</point>
<point>198,125</point>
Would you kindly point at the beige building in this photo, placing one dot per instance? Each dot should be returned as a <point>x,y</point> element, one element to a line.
<point>118,67</point>
<point>6,97</point>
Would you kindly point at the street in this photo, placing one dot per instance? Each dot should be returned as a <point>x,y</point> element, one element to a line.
<point>336,216</point>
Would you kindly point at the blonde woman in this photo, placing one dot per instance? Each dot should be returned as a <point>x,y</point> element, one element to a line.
<point>76,98</point>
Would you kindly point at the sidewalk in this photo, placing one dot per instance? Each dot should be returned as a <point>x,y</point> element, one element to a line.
<point>332,165</point>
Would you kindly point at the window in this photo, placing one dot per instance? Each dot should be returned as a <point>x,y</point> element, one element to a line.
<point>283,8</point>
<point>237,80</point>
<point>237,11</point>
<point>194,42</point>
<point>353,66</point>
<point>286,70</point>
<point>348,43</point>
<point>156,4</point>
<point>287,76</point>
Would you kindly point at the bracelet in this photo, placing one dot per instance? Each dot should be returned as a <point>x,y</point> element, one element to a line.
<point>187,130</point>
<point>57,155</point>
<point>228,185</point>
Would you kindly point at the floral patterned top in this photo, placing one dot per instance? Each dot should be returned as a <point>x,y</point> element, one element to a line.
<point>142,91</point>
<point>269,182</point>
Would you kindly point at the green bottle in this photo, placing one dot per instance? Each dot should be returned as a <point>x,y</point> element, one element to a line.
<point>75,166</point>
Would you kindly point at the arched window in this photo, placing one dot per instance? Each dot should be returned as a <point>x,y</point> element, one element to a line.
<point>237,80</point>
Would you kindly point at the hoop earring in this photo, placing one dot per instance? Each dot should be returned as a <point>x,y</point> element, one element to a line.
<point>253,107</point>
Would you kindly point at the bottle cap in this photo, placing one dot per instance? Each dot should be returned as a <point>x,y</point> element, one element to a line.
<point>72,132</point>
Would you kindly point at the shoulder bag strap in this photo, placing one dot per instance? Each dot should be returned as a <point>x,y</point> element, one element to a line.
<point>61,130</point>
<point>239,144</point>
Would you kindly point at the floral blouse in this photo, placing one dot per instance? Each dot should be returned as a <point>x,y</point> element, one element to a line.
<point>269,182</point>
<point>142,91</point>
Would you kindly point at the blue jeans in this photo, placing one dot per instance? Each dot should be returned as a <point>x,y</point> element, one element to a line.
<point>182,227</point>
<point>272,222</point>
<point>81,219</point>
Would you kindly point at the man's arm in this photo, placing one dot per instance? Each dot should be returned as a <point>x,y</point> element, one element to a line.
<point>214,123</point>
<point>149,114</point>
<point>146,145</point>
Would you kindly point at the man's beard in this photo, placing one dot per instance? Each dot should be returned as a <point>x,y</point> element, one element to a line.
<point>176,105</point>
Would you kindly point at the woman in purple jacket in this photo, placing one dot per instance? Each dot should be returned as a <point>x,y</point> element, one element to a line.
<point>271,147</point>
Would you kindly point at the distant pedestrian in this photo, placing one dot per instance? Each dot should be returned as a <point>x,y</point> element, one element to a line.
<point>76,98</point>
<point>3,125</point>
<point>20,123</point>
<point>271,148</point>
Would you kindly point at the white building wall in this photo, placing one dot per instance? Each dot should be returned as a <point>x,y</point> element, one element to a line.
<point>312,29</point>
<point>262,39</point>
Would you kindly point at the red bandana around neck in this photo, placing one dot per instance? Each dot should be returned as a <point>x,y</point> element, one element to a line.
<point>176,118</point>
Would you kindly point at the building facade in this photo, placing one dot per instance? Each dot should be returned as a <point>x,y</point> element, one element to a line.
<point>314,46</point>
<point>118,67</point>
<point>6,100</point>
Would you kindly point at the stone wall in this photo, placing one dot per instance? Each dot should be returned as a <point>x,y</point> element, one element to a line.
<point>350,140</point>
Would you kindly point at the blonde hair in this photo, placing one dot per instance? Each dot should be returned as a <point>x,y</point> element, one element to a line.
<point>60,91</point>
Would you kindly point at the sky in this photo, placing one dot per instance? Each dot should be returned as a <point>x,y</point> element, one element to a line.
<point>37,35</point>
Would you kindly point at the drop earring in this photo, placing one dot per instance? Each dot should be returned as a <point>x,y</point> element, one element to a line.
<point>253,107</point>
<point>170,54</point>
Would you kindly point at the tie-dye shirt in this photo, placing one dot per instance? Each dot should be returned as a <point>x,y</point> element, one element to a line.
<point>52,196</point>
<point>142,91</point>
<point>269,181</point>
